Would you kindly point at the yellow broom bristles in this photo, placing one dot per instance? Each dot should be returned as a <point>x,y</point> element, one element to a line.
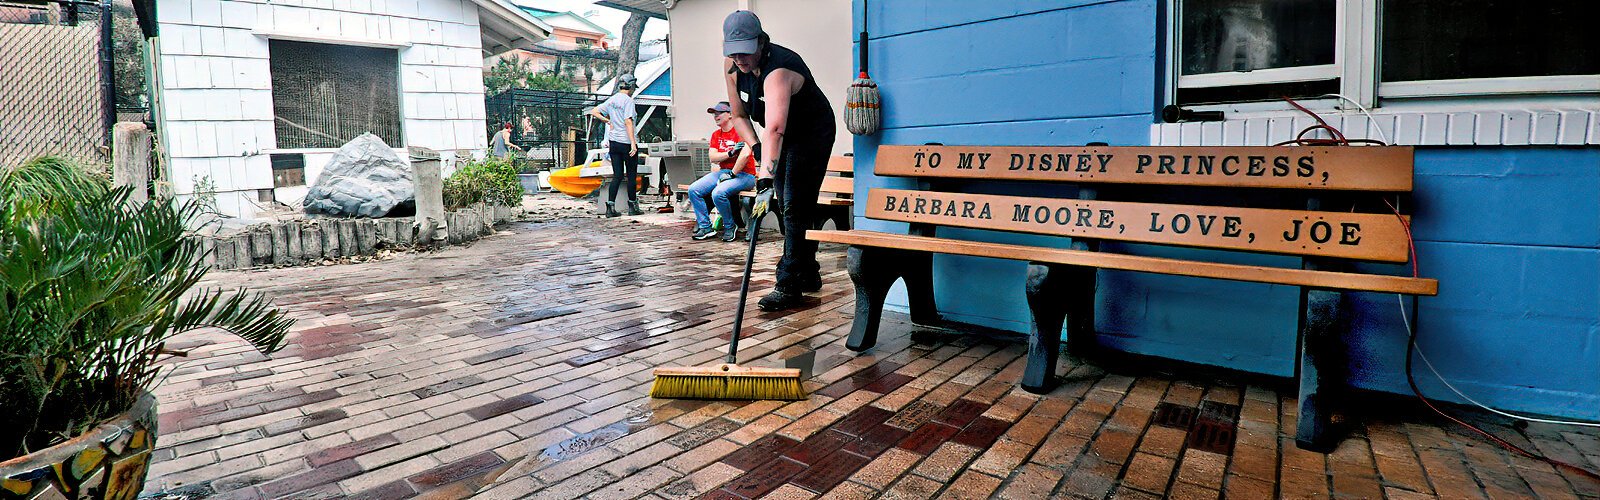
<point>727,387</point>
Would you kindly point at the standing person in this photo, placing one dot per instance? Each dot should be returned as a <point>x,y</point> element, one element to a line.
<point>501,142</point>
<point>618,114</point>
<point>798,130</point>
<point>736,173</point>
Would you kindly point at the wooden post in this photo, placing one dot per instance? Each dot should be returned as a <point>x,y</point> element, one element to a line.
<point>130,159</point>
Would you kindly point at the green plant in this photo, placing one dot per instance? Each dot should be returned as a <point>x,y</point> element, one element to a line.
<point>91,289</point>
<point>490,180</point>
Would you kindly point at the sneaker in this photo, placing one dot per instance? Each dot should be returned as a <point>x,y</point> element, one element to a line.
<point>779,300</point>
<point>704,233</point>
<point>730,234</point>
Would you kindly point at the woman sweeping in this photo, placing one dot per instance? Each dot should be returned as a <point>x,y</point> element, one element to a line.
<point>772,85</point>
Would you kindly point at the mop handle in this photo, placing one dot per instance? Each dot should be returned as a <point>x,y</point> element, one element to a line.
<point>744,290</point>
<point>863,37</point>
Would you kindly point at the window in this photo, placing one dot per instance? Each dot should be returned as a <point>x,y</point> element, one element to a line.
<point>1240,51</point>
<point>1502,45</point>
<point>1250,50</point>
<point>288,170</point>
<point>325,95</point>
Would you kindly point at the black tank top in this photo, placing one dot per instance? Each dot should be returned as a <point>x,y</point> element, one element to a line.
<point>810,115</point>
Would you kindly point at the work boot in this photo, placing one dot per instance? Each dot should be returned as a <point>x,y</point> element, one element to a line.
<point>811,283</point>
<point>731,233</point>
<point>704,233</point>
<point>611,209</point>
<point>633,208</point>
<point>779,300</point>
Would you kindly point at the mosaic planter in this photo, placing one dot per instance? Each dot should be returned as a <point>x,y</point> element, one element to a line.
<point>108,462</point>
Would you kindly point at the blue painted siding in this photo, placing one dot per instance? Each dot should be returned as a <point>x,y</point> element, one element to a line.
<point>1512,233</point>
<point>662,86</point>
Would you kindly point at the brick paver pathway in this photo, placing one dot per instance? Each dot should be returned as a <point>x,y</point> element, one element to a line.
<point>518,368</point>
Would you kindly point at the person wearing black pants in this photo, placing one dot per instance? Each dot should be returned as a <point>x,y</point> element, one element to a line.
<point>624,173</point>
<point>618,113</point>
<point>771,84</point>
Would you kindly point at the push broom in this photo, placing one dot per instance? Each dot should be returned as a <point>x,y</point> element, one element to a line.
<point>729,380</point>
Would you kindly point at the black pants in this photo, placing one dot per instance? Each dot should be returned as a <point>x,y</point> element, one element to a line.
<point>799,182</point>
<point>624,170</point>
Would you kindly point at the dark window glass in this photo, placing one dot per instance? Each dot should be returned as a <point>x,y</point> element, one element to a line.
<point>1242,35</point>
<point>1453,39</point>
<point>288,170</point>
<point>325,95</point>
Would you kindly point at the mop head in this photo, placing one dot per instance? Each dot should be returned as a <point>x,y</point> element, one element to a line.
<point>861,113</point>
<point>727,381</point>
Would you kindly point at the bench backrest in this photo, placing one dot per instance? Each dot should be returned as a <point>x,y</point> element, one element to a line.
<point>1349,235</point>
<point>838,183</point>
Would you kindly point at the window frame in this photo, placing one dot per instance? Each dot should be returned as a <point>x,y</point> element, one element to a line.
<point>399,49</point>
<point>1467,112</point>
<point>1357,63</point>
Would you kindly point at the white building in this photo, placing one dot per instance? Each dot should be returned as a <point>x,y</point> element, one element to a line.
<point>256,95</point>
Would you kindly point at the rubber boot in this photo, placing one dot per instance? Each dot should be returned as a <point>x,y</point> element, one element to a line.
<point>611,209</point>
<point>633,208</point>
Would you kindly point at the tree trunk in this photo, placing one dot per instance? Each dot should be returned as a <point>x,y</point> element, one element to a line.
<point>628,59</point>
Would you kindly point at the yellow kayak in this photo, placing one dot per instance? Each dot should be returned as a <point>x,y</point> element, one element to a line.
<point>568,182</point>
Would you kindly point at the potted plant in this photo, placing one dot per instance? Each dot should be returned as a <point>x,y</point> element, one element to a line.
<point>91,289</point>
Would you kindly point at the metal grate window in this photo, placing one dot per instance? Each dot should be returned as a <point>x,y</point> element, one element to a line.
<point>325,95</point>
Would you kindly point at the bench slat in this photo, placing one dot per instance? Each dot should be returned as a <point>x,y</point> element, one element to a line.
<point>1374,237</point>
<point>1262,274</point>
<point>1386,169</point>
<point>838,185</point>
<point>842,164</point>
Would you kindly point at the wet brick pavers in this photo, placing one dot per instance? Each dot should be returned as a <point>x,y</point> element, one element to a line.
<point>518,367</point>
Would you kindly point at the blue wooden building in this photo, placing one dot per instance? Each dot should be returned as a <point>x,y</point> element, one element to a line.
<point>1502,102</point>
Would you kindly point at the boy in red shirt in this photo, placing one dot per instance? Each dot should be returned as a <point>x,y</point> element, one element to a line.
<point>736,173</point>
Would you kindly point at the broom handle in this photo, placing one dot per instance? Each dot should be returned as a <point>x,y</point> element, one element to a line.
<point>744,290</point>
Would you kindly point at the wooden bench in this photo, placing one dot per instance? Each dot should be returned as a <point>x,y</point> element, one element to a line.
<point>834,199</point>
<point>1323,204</point>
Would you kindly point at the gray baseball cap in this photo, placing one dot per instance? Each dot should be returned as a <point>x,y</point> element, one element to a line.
<point>721,107</point>
<point>627,81</point>
<point>739,33</point>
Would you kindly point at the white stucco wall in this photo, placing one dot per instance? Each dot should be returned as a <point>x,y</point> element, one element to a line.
<point>819,30</point>
<point>217,96</point>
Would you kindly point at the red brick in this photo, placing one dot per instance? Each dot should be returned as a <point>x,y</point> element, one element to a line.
<point>928,438</point>
<point>833,470</point>
<point>327,474</point>
<point>862,420</point>
<point>760,452</point>
<point>960,413</point>
<point>504,406</point>
<point>982,432</point>
<point>474,465</point>
<point>819,445</point>
<point>351,450</point>
<point>765,478</point>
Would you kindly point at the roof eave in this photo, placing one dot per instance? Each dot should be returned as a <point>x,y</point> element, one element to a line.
<point>505,27</point>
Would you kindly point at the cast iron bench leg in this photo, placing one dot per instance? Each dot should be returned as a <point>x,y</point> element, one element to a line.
<point>1321,368</point>
<point>1057,294</point>
<point>874,271</point>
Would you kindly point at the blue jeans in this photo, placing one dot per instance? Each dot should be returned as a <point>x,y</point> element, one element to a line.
<point>720,195</point>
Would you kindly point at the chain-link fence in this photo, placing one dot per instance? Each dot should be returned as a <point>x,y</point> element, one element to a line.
<point>548,124</point>
<point>56,81</point>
